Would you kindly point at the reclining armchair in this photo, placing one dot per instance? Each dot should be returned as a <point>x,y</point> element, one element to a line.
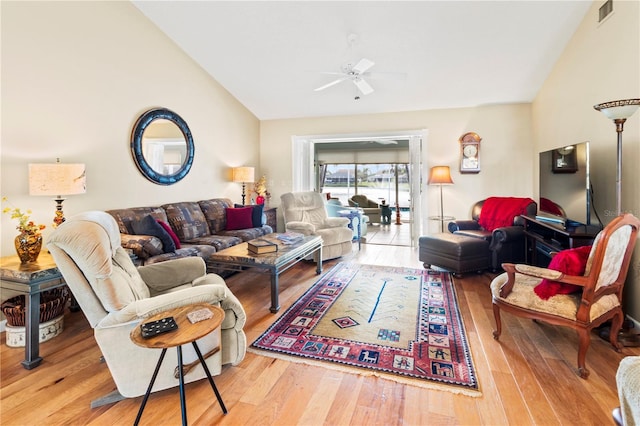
<point>305,213</point>
<point>370,208</point>
<point>505,236</point>
<point>115,297</point>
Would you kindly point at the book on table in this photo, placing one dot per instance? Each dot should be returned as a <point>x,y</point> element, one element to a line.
<point>259,246</point>
<point>290,237</point>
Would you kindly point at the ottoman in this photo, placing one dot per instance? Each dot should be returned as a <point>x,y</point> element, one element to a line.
<point>455,253</point>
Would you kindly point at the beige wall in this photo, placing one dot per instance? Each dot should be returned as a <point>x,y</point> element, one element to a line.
<point>506,150</point>
<point>75,76</point>
<point>601,63</point>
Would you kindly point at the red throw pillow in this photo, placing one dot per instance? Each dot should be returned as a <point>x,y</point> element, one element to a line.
<point>570,262</point>
<point>172,234</point>
<point>239,218</point>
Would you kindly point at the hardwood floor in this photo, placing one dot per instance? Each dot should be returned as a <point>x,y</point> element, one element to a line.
<point>528,377</point>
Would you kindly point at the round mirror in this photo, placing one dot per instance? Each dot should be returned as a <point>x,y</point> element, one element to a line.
<point>162,146</point>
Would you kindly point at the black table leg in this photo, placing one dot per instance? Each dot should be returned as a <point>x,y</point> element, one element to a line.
<point>153,380</point>
<point>183,404</point>
<point>32,331</point>
<point>213,385</point>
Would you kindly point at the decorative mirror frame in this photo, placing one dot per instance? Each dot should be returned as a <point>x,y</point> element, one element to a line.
<point>136,145</point>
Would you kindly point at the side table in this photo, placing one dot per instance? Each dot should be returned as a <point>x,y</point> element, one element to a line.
<point>30,279</point>
<point>442,219</point>
<point>184,334</point>
<point>355,219</point>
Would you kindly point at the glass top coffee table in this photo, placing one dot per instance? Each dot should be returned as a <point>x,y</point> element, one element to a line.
<point>239,258</point>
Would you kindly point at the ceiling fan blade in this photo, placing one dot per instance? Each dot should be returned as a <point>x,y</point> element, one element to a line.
<point>362,66</point>
<point>385,75</point>
<point>333,83</point>
<point>363,86</point>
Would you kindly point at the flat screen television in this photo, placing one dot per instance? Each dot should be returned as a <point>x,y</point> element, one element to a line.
<point>564,183</point>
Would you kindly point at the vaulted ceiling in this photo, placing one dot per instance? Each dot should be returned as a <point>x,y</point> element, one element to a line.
<point>447,54</point>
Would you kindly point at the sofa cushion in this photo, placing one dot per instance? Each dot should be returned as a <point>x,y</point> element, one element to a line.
<point>149,226</point>
<point>256,214</point>
<point>125,217</point>
<point>171,233</point>
<point>187,220</point>
<point>214,211</point>
<point>218,242</point>
<point>239,218</point>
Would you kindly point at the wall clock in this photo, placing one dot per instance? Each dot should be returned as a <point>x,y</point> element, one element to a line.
<point>470,153</point>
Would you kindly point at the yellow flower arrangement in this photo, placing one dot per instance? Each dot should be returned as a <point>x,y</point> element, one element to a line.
<point>24,224</point>
<point>260,187</point>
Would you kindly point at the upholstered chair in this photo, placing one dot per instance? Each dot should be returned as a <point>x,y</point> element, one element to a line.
<point>581,302</point>
<point>334,206</point>
<point>369,207</point>
<point>115,297</point>
<point>305,213</point>
<point>506,242</point>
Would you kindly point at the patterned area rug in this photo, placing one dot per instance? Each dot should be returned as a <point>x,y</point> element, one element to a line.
<point>398,323</point>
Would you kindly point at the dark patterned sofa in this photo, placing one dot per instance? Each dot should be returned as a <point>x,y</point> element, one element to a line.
<point>200,227</point>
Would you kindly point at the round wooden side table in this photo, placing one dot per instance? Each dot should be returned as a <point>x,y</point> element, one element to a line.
<point>186,332</point>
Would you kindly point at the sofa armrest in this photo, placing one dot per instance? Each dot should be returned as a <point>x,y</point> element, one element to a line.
<point>336,222</point>
<point>305,228</point>
<point>462,225</point>
<point>144,308</point>
<point>507,234</point>
<point>163,276</point>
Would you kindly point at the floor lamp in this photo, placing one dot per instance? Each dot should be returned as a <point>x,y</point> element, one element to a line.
<point>440,175</point>
<point>619,111</point>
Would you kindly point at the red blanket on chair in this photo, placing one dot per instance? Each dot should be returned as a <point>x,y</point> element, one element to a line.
<point>499,211</point>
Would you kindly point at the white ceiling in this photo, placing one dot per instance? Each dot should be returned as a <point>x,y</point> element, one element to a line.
<point>270,55</point>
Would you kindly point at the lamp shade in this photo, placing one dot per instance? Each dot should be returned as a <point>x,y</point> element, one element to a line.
<point>243,174</point>
<point>617,110</point>
<point>440,175</point>
<point>57,179</point>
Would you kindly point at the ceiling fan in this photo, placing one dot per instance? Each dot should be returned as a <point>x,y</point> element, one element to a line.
<point>355,74</point>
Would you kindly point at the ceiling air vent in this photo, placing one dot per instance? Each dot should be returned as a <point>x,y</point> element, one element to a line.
<point>605,10</point>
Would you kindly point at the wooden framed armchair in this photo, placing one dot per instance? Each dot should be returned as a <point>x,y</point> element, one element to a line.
<point>599,296</point>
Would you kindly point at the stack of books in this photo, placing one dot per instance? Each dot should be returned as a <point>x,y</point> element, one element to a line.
<point>260,246</point>
<point>290,237</point>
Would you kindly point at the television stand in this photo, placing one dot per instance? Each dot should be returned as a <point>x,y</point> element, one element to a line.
<point>543,238</point>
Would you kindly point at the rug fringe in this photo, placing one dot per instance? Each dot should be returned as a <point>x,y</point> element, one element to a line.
<point>363,372</point>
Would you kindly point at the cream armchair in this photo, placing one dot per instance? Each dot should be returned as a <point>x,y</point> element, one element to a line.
<point>305,212</point>
<point>115,297</point>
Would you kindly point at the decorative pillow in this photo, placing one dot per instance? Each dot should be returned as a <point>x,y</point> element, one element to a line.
<point>174,237</point>
<point>148,226</point>
<point>239,218</point>
<point>256,214</point>
<point>571,262</point>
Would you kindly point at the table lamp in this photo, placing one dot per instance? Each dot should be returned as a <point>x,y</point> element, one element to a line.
<point>243,175</point>
<point>57,179</point>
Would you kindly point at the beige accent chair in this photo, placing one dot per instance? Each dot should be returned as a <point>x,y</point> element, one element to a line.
<point>115,297</point>
<point>369,207</point>
<point>600,299</point>
<point>305,212</point>
<point>628,381</point>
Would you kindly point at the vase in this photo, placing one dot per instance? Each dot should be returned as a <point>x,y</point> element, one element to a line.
<point>28,246</point>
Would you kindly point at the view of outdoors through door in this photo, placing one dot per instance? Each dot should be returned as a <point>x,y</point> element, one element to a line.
<point>388,182</point>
